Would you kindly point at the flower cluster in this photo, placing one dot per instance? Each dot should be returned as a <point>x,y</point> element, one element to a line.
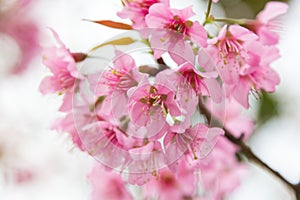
<point>147,120</point>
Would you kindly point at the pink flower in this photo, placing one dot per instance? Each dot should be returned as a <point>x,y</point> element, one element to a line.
<point>155,106</point>
<point>67,125</point>
<point>147,160</point>
<point>161,16</point>
<point>150,104</point>
<point>170,27</point>
<point>76,118</point>
<point>115,82</point>
<point>63,67</point>
<point>267,22</point>
<point>232,46</point>
<point>107,143</point>
<point>221,172</point>
<point>121,76</point>
<point>16,22</point>
<point>107,185</point>
<point>137,10</point>
<point>230,114</point>
<point>243,63</point>
<point>196,142</point>
<point>203,78</point>
<point>172,185</point>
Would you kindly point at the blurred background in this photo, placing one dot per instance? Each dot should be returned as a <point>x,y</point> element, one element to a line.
<point>37,163</point>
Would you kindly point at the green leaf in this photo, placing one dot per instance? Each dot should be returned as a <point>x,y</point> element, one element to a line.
<point>120,41</point>
<point>268,108</point>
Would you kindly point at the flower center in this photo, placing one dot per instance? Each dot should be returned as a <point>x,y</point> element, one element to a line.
<point>180,26</point>
<point>120,79</point>
<point>145,5</point>
<point>154,98</point>
<point>229,46</point>
<point>66,80</point>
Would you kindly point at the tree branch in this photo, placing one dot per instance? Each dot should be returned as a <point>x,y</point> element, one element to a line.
<point>247,152</point>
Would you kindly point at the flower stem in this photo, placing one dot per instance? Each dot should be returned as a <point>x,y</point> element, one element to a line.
<point>208,9</point>
<point>207,18</point>
<point>247,151</point>
<point>231,20</point>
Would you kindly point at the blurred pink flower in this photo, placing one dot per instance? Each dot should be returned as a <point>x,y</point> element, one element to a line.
<point>267,22</point>
<point>221,172</point>
<point>230,114</point>
<point>107,185</point>
<point>16,22</point>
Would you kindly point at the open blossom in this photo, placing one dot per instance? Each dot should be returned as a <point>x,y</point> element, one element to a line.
<point>63,67</point>
<point>121,76</point>
<point>196,142</point>
<point>163,104</point>
<point>169,28</point>
<point>107,185</point>
<point>114,83</point>
<point>150,104</point>
<point>267,22</point>
<point>202,78</point>
<point>161,16</point>
<point>243,63</point>
<point>137,10</point>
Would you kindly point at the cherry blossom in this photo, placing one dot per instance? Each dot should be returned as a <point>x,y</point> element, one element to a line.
<point>267,22</point>
<point>16,22</point>
<point>137,10</point>
<point>170,27</point>
<point>111,185</point>
<point>63,67</point>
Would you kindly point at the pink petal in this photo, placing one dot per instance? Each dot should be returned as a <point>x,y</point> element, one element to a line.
<point>184,13</point>
<point>123,61</point>
<point>271,11</point>
<point>241,92</point>
<point>142,153</point>
<point>159,15</point>
<point>267,37</point>
<point>242,33</point>
<point>214,89</point>
<point>198,34</point>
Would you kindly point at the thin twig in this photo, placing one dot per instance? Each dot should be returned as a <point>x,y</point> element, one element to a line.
<point>207,14</point>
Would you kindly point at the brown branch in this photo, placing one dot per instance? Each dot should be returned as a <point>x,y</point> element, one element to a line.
<point>152,71</point>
